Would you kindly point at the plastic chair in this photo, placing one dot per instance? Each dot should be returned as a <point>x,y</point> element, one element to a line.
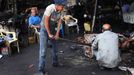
<point>37,34</point>
<point>70,22</point>
<point>33,35</point>
<point>12,40</point>
<point>10,37</point>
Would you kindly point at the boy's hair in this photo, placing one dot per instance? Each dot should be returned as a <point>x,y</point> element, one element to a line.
<point>34,8</point>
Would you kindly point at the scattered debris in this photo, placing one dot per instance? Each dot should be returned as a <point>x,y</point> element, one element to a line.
<point>73,47</point>
<point>61,52</point>
<point>131,70</point>
<point>87,51</point>
<point>89,38</point>
<point>30,66</point>
<point>93,73</point>
<point>1,56</point>
<point>80,39</point>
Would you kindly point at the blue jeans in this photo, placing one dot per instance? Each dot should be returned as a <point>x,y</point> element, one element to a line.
<point>43,47</point>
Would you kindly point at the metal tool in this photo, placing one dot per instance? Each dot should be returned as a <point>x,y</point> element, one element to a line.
<point>67,40</point>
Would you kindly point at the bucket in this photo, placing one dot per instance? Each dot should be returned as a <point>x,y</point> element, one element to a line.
<point>87,27</point>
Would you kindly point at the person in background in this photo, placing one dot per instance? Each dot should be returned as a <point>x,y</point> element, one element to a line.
<point>105,48</point>
<point>34,20</point>
<point>51,19</point>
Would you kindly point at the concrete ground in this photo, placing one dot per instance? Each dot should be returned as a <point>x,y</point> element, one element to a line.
<point>73,60</point>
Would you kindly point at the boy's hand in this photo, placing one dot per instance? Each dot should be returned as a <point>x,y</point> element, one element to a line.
<point>51,36</point>
<point>56,37</point>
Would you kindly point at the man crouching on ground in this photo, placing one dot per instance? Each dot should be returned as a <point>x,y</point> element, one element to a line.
<point>105,48</point>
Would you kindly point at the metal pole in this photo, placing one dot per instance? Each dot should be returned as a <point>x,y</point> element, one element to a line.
<point>94,16</point>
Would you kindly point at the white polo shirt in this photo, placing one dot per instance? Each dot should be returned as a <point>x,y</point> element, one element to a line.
<point>49,10</point>
<point>52,13</point>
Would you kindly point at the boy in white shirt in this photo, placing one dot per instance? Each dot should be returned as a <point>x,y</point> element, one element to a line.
<point>50,20</point>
